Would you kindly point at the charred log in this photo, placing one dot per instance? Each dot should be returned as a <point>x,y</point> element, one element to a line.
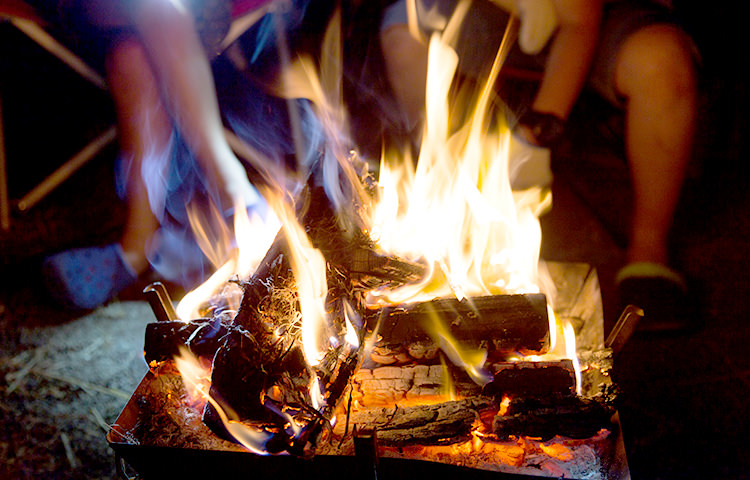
<point>164,339</point>
<point>572,417</point>
<point>532,380</point>
<point>503,323</point>
<point>437,424</point>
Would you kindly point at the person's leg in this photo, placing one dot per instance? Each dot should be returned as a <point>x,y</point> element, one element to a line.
<point>144,128</point>
<point>181,67</point>
<point>655,74</point>
<point>168,34</point>
<point>85,278</point>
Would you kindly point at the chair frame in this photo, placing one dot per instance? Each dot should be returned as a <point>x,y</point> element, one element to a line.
<point>23,18</point>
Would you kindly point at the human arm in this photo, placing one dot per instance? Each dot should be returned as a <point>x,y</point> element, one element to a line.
<point>569,59</point>
<point>170,39</point>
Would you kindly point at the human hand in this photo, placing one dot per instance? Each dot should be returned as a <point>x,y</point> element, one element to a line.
<point>229,184</point>
<point>528,164</point>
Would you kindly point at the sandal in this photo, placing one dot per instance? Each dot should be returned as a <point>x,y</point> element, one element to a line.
<point>661,292</point>
<point>85,278</point>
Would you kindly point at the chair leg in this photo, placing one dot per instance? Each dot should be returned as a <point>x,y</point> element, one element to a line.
<point>4,200</point>
<point>49,43</point>
<point>67,169</point>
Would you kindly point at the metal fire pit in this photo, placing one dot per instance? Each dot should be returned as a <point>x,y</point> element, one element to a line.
<point>578,300</point>
<point>147,462</point>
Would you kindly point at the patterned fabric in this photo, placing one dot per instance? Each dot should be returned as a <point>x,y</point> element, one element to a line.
<point>85,278</point>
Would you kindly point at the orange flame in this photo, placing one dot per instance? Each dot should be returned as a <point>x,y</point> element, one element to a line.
<point>231,258</point>
<point>457,209</point>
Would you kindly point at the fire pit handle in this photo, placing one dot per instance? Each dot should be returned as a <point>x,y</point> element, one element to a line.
<point>366,453</point>
<point>624,328</point>
<point>161,304</point>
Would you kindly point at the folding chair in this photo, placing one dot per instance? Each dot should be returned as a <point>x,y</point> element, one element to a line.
<point>25,19</point>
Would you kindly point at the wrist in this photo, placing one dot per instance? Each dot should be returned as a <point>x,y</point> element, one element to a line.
<point>542,129</point>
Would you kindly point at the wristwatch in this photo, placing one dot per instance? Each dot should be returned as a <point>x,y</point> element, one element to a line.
<point>547,128</point>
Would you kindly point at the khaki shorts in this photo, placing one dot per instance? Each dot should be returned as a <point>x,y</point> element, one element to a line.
<point>483,28</point>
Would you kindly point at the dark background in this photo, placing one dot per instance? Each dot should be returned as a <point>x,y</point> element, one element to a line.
<point>685,396</point>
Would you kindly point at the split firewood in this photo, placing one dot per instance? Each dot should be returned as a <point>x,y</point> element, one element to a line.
<point>435,424</point>
<point>386,386</point>
<point>544,418</point>
<point>504,324</point>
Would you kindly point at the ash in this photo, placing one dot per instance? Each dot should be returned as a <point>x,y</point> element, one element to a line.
<point>168,417</point>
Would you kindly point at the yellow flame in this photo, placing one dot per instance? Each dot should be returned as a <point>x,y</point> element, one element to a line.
<point>351,336</point>
<point>448,387</point>
<point>471,359</point>
<point>572,354</point>
<point>231,258</point>
<point>504,406</point>
<point>456,209</point>
<point>254,236</point>
<point>309,268</point>
<point>189,306</point>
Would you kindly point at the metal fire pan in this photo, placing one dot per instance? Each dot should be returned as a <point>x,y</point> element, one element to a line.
<point>135,461</point>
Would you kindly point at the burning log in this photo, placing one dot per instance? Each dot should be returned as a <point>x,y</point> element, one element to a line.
<point>259,371</point>
<point>545,418</point>
<point>435,424</point>
<point>504,324</point>
<point>516,415</point>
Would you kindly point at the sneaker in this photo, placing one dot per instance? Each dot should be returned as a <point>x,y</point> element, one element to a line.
<point>85,278</point>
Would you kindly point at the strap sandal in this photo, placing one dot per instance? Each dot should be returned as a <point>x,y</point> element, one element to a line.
<point>661,292</point>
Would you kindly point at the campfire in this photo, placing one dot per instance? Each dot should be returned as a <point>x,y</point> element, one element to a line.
<point>405,318</point>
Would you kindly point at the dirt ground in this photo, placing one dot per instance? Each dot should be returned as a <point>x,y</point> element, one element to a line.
<point>63,387</point>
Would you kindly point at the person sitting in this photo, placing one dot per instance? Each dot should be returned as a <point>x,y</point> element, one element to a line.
<point>635,56</point>
<point>158,72</point>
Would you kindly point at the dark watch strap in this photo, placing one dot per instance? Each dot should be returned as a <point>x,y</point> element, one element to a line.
<point>547,128</point>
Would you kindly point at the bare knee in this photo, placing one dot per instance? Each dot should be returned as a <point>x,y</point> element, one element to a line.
<point>656,61</point>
